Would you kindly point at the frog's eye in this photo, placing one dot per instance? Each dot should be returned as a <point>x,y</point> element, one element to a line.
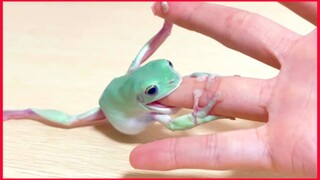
<point>151,90</point>
<point>170,63</point>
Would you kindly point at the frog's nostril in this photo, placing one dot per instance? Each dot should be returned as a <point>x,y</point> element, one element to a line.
<point>171,81</point>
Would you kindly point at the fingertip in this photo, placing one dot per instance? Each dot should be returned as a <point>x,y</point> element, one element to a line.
<point>153,8</point>
<point>140,156</point>
<point>156,9</point>
<point>150,156</point>
<point>173,10</point>
<point>133,158</point>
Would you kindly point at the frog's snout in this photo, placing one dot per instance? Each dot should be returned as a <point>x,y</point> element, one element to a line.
<point>175,79</point>
<point>171,81</point>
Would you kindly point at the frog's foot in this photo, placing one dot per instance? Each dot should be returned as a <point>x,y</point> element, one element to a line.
<point>56,118</point>
<point>198,116</point>
<point>202,75</point>
<point>210,84</point>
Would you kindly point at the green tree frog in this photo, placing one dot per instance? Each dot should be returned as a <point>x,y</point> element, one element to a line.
<point>130,102</point>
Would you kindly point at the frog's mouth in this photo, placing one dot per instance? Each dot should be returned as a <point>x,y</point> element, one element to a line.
<point>158,104</point>
<point>158,107</point>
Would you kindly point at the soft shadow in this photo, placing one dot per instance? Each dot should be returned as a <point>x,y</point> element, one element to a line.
<point>230,174</point>
<point>252,174</point>
<point>155,175</point>
<point>153,132</point>
<point>157,131</point>
<point>222,125</point>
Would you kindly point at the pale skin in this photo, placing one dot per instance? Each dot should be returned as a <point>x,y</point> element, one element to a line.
<point>287,143</point>
<point>130,102</point>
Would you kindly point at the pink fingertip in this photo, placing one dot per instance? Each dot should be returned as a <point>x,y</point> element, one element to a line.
<point>144,156</point>
<point>153,8</point>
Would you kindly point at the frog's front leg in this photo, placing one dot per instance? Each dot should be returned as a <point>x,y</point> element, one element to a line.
<point>198,116</point>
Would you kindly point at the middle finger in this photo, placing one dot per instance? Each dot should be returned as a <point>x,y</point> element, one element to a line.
<point>240,30</point>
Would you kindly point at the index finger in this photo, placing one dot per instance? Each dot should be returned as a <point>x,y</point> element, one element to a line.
<point>241,97</point>
<point>243,31</point>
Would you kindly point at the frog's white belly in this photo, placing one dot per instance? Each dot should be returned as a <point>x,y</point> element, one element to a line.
<point>134,125</point>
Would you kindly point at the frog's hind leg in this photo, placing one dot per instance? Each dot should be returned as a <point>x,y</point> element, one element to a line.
<point>55,117</point>
<point>151,46</point>
<point>154,43</point>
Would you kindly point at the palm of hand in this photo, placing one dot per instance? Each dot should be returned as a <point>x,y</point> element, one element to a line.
<point>287,142</point>
<point>294,90</point>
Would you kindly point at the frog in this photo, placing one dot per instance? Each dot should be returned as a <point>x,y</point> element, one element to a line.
<point>130,102</point>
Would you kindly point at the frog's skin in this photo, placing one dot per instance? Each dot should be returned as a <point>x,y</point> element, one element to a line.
<point>130,102</point>
<point>139,89</point>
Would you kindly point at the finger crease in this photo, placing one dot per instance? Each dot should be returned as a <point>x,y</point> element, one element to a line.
<point>267,151</point>
<point>265,92</point>
<point>192,15</point>
<point>211,156</point>
<point>173,153</point>
<point>236,20</point>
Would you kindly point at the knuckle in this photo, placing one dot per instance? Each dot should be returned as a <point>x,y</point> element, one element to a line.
<point>238,20</point>
<point>212,153</point>
<point>266,91</point>
<point>173,153</point>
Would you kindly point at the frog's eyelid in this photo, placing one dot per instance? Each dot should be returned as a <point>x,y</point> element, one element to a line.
<point>151,90</point>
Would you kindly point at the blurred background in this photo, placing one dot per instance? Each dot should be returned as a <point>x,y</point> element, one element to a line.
<point>61,55</point>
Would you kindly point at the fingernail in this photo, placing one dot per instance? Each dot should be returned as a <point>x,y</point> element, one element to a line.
<point>165,7</point>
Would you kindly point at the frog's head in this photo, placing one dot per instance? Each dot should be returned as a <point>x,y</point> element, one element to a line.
<point>156,80</point>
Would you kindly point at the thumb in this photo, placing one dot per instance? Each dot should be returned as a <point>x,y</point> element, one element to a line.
<point>243,149</point>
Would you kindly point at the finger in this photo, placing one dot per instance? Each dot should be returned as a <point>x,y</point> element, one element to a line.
<point>241,97</point>
<point>245,149</point>
<point>307,10</point>
<point>240,30</point>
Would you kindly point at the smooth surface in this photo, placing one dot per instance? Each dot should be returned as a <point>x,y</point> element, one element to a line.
<point>62,55</point>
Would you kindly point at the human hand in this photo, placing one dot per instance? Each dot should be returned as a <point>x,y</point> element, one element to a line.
<point>287,143</point>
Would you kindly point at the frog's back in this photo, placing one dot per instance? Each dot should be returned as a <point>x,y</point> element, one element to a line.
<point>111,101</point>
<point>120,107</point>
